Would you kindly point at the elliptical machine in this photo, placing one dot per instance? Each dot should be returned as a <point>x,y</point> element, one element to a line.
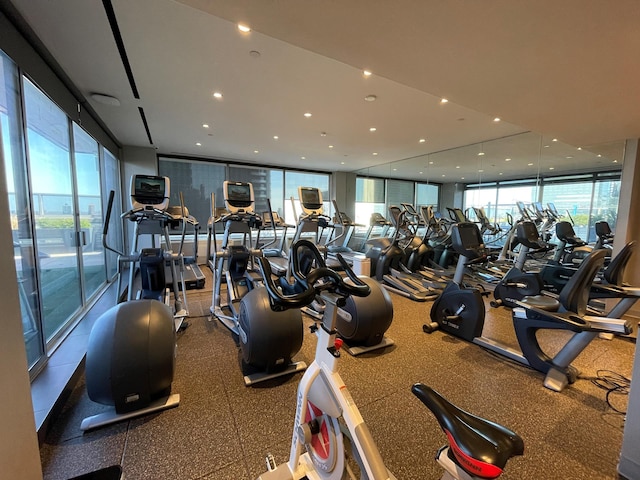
<point>268,339</point>
<point>361,323</point>
<point>460,311</point>
<point>130,359</point>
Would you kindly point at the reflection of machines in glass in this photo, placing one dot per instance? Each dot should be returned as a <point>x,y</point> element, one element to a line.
<point>268,339</point>
<point>460,311</point>
<point>130,358</point>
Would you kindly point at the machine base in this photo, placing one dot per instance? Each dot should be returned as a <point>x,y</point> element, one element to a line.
<point>107,418</point>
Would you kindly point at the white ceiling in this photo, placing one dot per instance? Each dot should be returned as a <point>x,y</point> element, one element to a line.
<point>568,70</point>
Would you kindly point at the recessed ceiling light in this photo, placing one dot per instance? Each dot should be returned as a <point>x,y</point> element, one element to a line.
<point>370,98</point>
<point>307,114</point>
<point>276,137</point>
<point>497,119</point>
<point>217,95</point>
<point>372,129</point>
<point>444,100</point>
<point>457,166</point>
<point>500,173</point>
<point>244,28</point>
<point>546,146</point>
<point>374,153</point>
<point>420,173</point>
<point>323,134</point>
<point>205,125</point>
<point>303,158</point>
<point>569,156</point>
<point>366,73</point>
<point>430,163</point>
<point>599,156</point>
<point>551,168</point>
<point>461,178</point>
<point>443,175</point>
<point>481,170</point>
<point>254,53</point>
<point>256,151</point>
<point>341,163</point>
<point>330,146</point>
<point>198,144</point>
<point>579,148</point>
<point>615,161</point>
<point>554,140</point>
<point>480,154</point>
<point>530,164</point>
<point>422,140</point>
<point>395,169</point>
<point>507,159</point>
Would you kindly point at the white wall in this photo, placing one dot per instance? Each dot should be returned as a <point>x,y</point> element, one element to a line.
<point>629,208</point>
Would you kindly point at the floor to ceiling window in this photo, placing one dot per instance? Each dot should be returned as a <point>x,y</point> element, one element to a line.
<point>89,207</point>
<point>20,209</point>
<point>49,155</point>
<point>56,194</point>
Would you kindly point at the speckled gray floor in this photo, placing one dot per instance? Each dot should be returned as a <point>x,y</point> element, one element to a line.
<point>222,429</point>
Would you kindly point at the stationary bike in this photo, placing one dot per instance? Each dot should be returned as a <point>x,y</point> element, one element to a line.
<point>517,283</point>
<point>329,425</point>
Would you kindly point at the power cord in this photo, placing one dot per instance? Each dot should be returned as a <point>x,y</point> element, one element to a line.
<point>614,383</point>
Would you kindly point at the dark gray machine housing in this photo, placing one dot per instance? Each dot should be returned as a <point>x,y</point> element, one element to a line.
<point>131,355</point>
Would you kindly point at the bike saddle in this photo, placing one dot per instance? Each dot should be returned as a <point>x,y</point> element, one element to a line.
<point>480,447</point>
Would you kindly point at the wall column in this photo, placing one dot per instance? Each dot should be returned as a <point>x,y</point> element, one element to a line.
<point>19,453</point>
<point>628,229</point>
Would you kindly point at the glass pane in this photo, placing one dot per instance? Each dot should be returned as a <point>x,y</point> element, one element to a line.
<point>369,199</point>
<point>573,201</point>
<point>399,191</point>
<point>20,209</point>
<point>114,235</point>
<point>605,206</point>
<point>197,181</point>
<point>292,181</point>
<point>87,163</point>
<point>427,194</point>
<point>507,198</point>
<point>52,189</point>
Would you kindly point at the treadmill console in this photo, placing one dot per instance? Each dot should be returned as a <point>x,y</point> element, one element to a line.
<point>149,192</point>
<point>238,197</point>
<point>310,200</point>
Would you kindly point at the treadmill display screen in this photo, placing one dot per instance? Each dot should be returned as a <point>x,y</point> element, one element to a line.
<point>310,198</point>
<point>238,194</point>
<point>149,187</point>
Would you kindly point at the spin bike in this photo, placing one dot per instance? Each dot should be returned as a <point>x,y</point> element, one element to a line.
<point>329,425</point>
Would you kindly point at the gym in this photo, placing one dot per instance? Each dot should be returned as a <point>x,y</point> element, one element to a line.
<point>229,130</point>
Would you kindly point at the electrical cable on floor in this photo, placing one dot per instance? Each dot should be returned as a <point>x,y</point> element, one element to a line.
<point>613,383</point>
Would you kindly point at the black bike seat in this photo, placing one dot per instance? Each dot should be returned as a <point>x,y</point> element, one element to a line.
<point>480,447</point>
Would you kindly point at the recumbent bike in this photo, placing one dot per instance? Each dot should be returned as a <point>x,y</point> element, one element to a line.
<point>460,311</point>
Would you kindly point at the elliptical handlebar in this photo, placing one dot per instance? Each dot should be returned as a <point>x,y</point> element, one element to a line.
<point>105,227</point>
<point>333,280</point>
